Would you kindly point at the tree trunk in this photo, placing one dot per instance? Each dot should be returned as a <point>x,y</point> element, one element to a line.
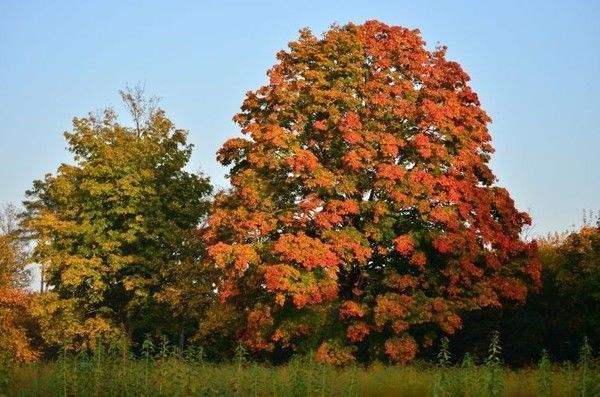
<point>42,271</point>
<point>181,339</point>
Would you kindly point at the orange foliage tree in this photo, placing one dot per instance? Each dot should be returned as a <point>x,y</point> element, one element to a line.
<point>362,206</point>
<point>15,321</point>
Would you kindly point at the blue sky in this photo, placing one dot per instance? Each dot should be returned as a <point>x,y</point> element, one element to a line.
<point>534,64</point>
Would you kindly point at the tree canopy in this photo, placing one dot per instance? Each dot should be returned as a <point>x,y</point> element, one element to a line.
<point>363,217</point>
<point>14,301</point>
<point>113,229</point>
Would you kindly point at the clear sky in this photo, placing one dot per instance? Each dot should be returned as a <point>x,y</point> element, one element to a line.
<point>534,64</point>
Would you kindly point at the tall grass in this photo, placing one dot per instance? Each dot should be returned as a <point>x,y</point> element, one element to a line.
<point>494,379</point>
<point>165,371</point>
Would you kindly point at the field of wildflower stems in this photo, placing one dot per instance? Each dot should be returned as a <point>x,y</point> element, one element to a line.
<point>165,371</point>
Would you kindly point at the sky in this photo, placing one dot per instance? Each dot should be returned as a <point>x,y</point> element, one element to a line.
<point>534,64</point>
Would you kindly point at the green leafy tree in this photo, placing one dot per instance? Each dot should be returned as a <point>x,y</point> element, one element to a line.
<point>574,264</point>
<point>116,226</point>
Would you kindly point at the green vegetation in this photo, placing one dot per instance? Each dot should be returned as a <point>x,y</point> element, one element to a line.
<point>117,374</point>
<point>163,370</point>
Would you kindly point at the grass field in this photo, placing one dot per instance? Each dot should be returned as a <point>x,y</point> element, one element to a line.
<point>107,374</point>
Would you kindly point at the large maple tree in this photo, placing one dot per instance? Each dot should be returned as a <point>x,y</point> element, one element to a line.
<point>362,207</point>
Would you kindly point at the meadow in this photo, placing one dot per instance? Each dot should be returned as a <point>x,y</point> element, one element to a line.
<point>168,372</point>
